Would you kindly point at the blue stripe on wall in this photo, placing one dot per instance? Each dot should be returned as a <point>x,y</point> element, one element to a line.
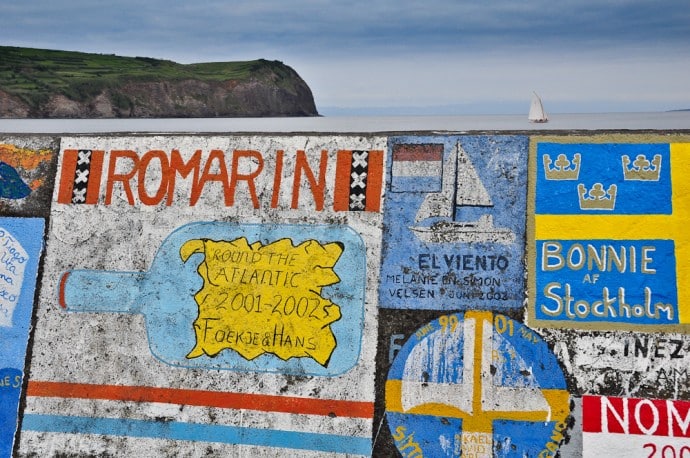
<point>416,184</point>
<point>197,433</point>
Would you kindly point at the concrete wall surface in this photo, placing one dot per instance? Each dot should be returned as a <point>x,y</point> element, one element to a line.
<point>414,295</point>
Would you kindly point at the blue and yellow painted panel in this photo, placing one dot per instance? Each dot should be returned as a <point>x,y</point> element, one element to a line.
<point>608,233</point>
<point>476,384</point>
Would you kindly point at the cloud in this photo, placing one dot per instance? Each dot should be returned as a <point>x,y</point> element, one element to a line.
<point>394,52</point>
<point>345,28</point>
<point>504,83</point>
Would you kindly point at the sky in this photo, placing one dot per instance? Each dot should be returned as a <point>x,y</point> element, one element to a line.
<point>382,57</point>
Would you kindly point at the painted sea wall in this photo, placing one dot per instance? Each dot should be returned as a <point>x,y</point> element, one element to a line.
<point>417,294</point>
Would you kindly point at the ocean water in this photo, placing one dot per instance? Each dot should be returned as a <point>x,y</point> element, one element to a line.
<point>661,121</point>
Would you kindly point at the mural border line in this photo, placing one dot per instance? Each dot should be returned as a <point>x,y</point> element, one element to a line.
<point>221,399</point>
<point>198,433</point>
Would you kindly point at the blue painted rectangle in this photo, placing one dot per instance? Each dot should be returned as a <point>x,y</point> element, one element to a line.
<point>612,281</point>
<point>196,432</point>
<point>415,184</point>
<point>21,243</point>
<point>436,253</point>
<point>643,185</point>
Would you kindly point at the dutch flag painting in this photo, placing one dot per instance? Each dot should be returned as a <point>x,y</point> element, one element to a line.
<point>417,168</point>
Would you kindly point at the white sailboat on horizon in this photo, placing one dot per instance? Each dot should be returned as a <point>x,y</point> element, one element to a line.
<point>460,186</point>
<point>536,110</point>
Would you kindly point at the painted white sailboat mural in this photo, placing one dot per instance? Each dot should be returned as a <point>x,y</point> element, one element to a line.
<point>460,186</point>
<point>536,110</point>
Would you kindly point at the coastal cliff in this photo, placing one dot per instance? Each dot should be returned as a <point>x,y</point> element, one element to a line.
<point>38,83</point>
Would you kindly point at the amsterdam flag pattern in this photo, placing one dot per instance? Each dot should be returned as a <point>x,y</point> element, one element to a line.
<point>358,181</point>
<point>80,179</point>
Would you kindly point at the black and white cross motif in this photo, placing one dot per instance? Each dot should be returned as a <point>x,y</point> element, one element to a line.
<point>81,177</point>
<point>358,181</point>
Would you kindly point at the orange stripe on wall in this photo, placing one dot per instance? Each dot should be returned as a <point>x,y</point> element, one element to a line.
<point>341,193</point>
<point>226,400</point>
<point>61,294</point>
<point>374,181</point>
<point>95,171</point>
<point>69,164</point>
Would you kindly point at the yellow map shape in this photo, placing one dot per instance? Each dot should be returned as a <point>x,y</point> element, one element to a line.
<point>260,299</point>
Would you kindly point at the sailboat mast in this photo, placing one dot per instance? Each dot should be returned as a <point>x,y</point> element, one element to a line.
<point>454,195</point>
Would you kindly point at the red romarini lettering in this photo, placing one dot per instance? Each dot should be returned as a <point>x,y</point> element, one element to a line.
<point>124,178</point>
<point>153,177</point>
<point>318,188</point>
<point>221,177</point>
<point>183,169</point>
<point>141,181</point>
<point>248,177</point>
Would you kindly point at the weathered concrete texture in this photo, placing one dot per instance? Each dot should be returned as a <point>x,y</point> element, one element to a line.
<point>347,295</point>
<point>633,364</point>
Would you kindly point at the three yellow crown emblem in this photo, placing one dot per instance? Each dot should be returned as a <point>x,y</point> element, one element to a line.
<point>597,198</point>
<point>642,169</point>
<point>563,169</point>
<point>566,169</point>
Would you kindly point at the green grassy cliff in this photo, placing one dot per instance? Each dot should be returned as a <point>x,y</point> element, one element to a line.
<point>37,83</point>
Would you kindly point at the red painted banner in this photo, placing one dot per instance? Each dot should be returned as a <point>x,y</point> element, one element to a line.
<point>655,417</point>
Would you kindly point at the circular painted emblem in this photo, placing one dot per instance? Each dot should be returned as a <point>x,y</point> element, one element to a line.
<point>476,384</point>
